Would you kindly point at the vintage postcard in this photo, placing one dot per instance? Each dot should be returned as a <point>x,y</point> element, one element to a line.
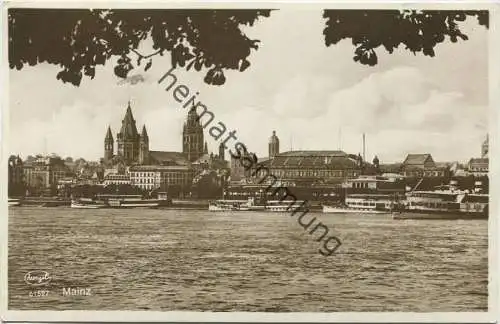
<point>217,162</point>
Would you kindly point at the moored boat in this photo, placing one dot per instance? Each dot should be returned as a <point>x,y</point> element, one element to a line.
<point>407,215</point>
<point>132,201</point>
<point>366,204</point>
<point>14,202</point>
<point>250,205</point>
<point>87,204</point>
<point>225,205</point>
<point>350,210</point>
<point>284,205</point>
<point>445,204</point>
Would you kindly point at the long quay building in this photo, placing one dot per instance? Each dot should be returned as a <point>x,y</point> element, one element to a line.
<point>311,173</point>
<point>313,167</point>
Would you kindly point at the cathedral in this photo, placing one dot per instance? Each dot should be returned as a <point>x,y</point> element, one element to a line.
<point>133,148</point>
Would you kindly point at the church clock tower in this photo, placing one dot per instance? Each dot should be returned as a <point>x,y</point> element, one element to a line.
<point>192,136</point>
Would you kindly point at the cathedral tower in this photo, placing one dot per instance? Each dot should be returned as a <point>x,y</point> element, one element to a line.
<point>128,138</point>
<point>274,145</point>
<point>222,150</point>
<point>144,147</point>
<point>108,146</point>
<point>192,136</point>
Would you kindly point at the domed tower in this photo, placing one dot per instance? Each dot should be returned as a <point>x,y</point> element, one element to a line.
<point>376,163</point>
<point>192,136</point>
<point>485,148</point>
<point>144,147</point>
<point>108,146</point>
<point>128,138</point>
<point>274,145</point>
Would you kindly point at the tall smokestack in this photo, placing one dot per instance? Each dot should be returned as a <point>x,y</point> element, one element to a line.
<point>340,138</point>
<point>364,148</point>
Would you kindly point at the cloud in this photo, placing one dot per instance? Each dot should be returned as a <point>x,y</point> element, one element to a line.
<point>132,79</point>
<point>307,92</point>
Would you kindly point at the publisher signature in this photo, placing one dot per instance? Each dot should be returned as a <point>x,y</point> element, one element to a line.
<point>37,278</point>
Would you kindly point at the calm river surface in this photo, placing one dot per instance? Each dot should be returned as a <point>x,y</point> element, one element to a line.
<point>147,259</point>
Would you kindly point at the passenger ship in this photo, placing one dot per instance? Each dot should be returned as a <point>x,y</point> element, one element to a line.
<point>445,204</point>
<point>121,201</point>
<point>228,205</point>
<point>87,203</point>
<point>366,204</point>
<point>14,202</point>
<point>250,205</point>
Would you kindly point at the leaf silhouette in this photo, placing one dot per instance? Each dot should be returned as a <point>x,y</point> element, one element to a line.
<point>148,65</point>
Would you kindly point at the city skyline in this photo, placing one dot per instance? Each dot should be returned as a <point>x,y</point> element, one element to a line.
<point>424,102</point>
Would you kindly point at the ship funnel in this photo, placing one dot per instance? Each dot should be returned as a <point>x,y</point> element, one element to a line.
<point>453,185</point>
<point>478,186</point>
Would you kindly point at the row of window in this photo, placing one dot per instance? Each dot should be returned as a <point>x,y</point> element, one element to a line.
<point>360,185</point>
<point>425,173</point>
<point>365,204</point>
<point>308,173</point>
<point>142,174</point>
<point>435,204</point>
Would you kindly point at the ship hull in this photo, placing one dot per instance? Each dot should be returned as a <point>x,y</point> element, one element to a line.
<point>439,214</point>
<point>347,210</point>
<point>86,206</point>
<point>125,204</point>
<point>214,208</point>
<point>245,206</point>
<point>14,202</point>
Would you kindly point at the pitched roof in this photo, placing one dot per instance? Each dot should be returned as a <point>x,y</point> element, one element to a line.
<point>168,158</point>
<point>314,153</point>
<point>312,159</point>
<point>479,161</point>
<point>390,168</point>
<point>140,168</point>
<point>417,158</point>
<point>205,158</point>
<point>129,129</point>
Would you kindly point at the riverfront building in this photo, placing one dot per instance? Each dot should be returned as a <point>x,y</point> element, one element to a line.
<point>422,166</point>
<point>301,168</point>
<point>44,173</point>
<point>480,166</point>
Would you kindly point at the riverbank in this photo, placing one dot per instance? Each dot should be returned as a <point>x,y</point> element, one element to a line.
<point>181,204</point>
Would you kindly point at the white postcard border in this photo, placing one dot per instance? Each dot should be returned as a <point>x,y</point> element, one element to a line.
<point>174,316</point>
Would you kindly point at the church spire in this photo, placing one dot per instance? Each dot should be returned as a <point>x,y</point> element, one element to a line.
<point>144,133</point>
<point>108,145</point>
<point>129,129</point>
<point>109,135</point>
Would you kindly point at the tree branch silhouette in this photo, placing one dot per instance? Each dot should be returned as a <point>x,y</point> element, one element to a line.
<point>417,30</point>
<point>79,40</point>
<point>211,41</point>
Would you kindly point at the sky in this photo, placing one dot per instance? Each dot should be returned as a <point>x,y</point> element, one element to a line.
<point>314,97</point>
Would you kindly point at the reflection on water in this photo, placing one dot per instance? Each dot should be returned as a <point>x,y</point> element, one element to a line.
<point>200,261</point>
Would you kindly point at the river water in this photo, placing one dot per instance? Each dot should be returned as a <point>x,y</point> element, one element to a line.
<point>184,260</point>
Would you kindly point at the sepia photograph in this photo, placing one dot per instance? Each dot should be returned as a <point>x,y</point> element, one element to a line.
<point>228,159</point>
